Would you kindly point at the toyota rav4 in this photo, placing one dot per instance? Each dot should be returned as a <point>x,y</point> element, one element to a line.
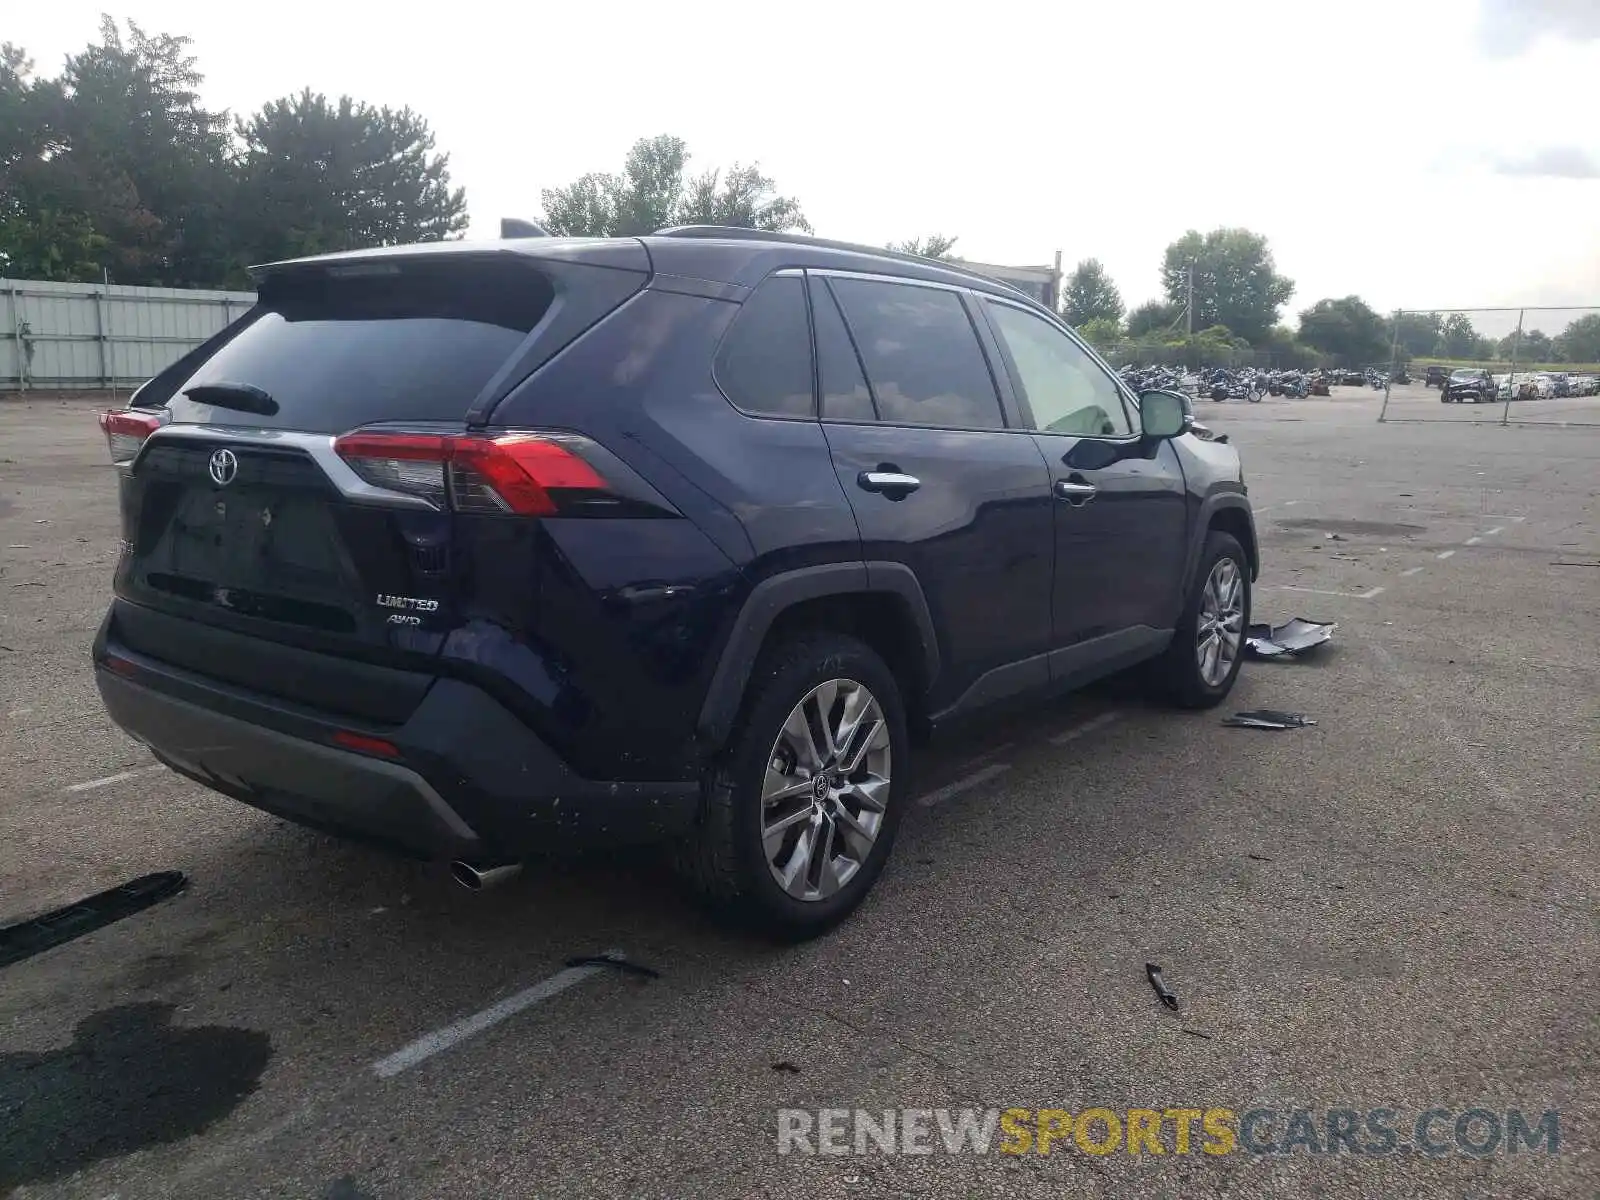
<point>478,549</point>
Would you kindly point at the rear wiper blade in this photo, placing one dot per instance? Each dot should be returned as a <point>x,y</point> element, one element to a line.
<point>240,396</point>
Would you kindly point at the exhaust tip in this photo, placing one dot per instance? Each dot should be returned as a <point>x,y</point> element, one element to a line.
<point>476,879</point>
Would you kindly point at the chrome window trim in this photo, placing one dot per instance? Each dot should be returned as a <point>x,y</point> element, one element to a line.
<point>904,280</point>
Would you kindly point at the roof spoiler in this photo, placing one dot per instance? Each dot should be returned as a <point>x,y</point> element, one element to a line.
<point>514,227</point>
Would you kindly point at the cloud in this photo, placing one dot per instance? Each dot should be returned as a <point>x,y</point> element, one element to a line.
<point>1553,162</point>
<point>1508,27</point>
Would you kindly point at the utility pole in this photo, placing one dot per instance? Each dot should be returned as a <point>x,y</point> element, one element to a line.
<point>1188,303</point>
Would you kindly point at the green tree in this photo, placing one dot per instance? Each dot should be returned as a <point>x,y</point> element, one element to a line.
<point>1347,330</point>
<point>1532,347</point>
<point>744,198</point>
<point>1419,333</point>
<point>934,245</point>
<point>44,233</point>
<point>144,159</point>
<point>319,176</point>
<point>651,193</point>
<point>1288,351</point>
<point>1154,317</point>
<point>1235,281</point>
<point>1089,295</point>
<point>1458,338</point>
<point>1580,341</point>
<point>1101,332</point>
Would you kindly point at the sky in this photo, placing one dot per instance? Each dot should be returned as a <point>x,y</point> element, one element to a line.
<point>1419,153</point>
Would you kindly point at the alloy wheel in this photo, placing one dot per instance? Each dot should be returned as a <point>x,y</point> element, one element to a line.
<point>1220,627</point>
<point>825,789</point>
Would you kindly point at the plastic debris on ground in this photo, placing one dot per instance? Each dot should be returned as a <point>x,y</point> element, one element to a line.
<point>1268,718</point>
<point>1289,640</point>
<point>1152,972</point>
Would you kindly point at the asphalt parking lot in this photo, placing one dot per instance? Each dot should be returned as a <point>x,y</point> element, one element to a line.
<point>1398,907</point>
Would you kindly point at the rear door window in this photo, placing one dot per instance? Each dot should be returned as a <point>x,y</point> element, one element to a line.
<point>764,362</point>
<point>338,347</point>
<point>923,360</point>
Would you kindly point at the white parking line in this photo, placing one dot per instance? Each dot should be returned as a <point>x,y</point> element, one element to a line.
<point>1444,554</point>
<point>107,781</point>
<point>1089,726</point>
<point>427,1046</point>
<point>939,795</point>
<point>1366,595</point>
<point>1472,541</point>
<point>991,752</point>
<point>1495,530</point>
<point>1409,571</point>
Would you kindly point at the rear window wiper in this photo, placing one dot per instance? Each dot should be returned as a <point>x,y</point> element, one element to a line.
<point>240,396</point>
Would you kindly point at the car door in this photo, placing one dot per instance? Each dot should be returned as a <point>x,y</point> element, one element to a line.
<point>1121,514</point>
<point>938,480</point>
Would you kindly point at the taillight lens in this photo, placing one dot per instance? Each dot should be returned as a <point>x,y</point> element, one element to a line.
<point>126,431</point>
<point>521,473</point>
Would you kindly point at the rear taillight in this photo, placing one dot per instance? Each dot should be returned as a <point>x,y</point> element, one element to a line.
<point>126,431</point>
<point>527,474</point>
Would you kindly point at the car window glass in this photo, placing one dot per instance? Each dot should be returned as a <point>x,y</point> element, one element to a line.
<point>844,388</point>
<point>922,356</point>
<point>1065,388</point>
<point>764,362</point>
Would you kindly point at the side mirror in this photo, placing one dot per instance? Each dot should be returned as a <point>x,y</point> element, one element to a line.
<point>1163,414</point>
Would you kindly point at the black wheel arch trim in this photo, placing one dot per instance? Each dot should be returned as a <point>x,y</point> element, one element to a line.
<point>1209,508</point>
<point>774,595</point>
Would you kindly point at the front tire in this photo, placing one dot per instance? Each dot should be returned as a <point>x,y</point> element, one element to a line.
<point>1199,667</point>
<point>799,816</point>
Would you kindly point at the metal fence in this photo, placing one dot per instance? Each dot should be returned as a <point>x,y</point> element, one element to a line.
<point>90,335</point>
<point>1529,366</point>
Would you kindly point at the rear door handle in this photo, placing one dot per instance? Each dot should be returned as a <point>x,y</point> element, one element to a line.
<point>1075,494</point>
<point>892,484</point>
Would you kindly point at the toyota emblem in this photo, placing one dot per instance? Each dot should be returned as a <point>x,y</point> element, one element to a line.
<point>224,466</point>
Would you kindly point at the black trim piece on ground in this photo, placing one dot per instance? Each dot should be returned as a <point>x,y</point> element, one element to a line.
<point>48,930</point>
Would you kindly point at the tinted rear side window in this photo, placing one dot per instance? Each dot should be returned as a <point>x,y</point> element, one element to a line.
<point>922,356</point>
<point>764,362</point>
<point>844,388</point>
<point>395,342</point>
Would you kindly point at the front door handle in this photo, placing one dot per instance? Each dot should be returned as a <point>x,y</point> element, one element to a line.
<point>893,484</point>
<point>1075,494</point>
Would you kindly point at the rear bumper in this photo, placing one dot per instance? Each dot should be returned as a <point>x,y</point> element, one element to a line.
<point>467,780</point>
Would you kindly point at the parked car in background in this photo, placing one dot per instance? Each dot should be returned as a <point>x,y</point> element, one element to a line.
<point>1586,385</point>
<point>1468,384</point>
<point>479,550</point>
<point>1436,377</point>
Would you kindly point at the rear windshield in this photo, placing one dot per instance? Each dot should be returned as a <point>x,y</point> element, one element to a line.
<point>383,341</point>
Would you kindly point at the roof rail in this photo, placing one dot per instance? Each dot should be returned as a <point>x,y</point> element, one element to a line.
<point>739,233</point>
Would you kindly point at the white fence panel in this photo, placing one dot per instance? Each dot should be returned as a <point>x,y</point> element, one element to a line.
<point>86,335</point>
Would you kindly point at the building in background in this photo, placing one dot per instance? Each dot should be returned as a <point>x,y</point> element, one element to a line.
<point>1041,283</point>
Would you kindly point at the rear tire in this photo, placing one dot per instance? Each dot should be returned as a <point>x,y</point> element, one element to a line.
<point>733,858</point>
<point>1179,675</point>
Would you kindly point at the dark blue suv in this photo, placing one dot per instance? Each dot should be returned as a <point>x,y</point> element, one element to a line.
<point>478,549</point>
